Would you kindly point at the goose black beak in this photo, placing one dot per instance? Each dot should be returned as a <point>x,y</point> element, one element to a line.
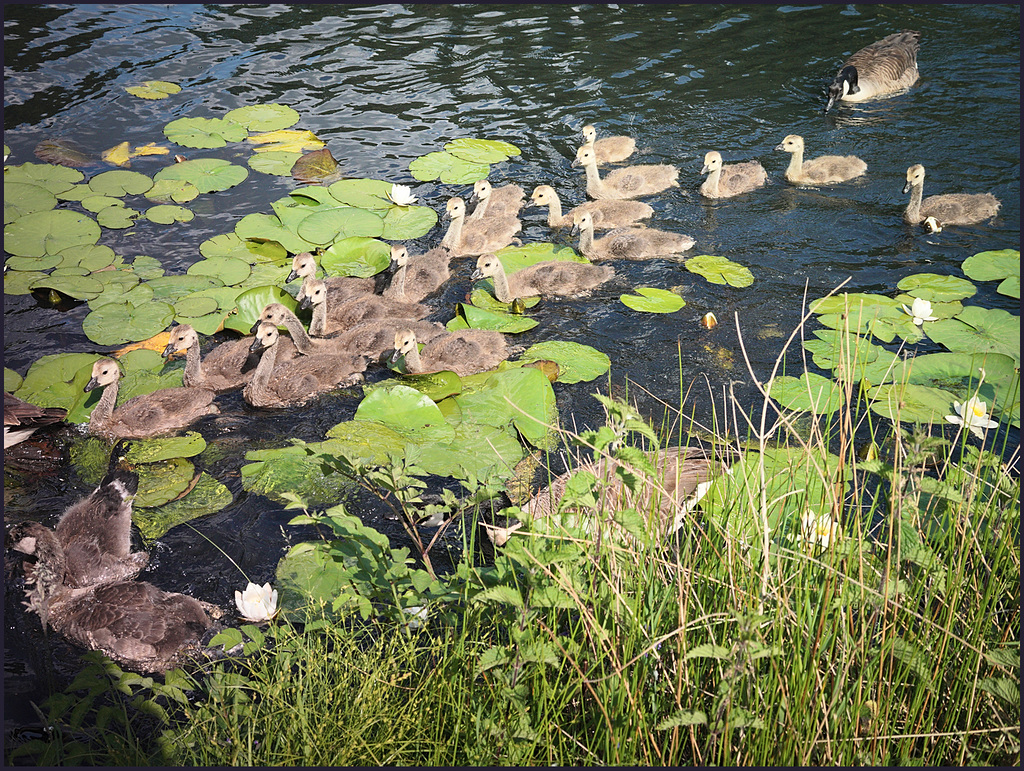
<point>291,277</point>
<point>305,303</point>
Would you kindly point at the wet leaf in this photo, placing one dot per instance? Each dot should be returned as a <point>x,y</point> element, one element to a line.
<point>482,297</point>
<point>401,408</point>
<point>911,403</point>
<point>326,227</point>
<point>356,256</point>
<point>230,270</point>
<point>264,117</point>
<point>170,288</point>
<point>195,305</point>
<point>203,133</point>
<point>808,393</point>
<point>937,288</point>
<point>1010,287</point>
<point>19,281</point>
<point>207,174</point>
<point>720,270</point>
<point>482,150</point>
<point>522,396</point>
<point>436,385</point>
<point>147,267</point>
<point>230,245</point>
<point>469,316</point>
<point>157,343</point>
<point>21,198</point>
<point>92,257</point>
<point>163,481</point>
<point>12,380</point>
<point>576,362</point>
<point>361,193</point>
<point>166,215</point>
<point>34,263</point>
<point>402,223</point>
<point>450,170</point>
<point>314,167</point>
<point>472,451</point>
<point>78,287</point>
<point>649,299</point>
<point>992,266</point>
<point>278,163</point>
<point>172,190</point>
<point>56,179</point>
<point>62,153</point>
<point>123,292</point>
<point>293,141</point>
<point>292,470</point>
<point>368,440</point>
<point>120,183</point>
<point>266,274</point>
<point>117,217</point>
<point>165,448</point>
<point>118,155</point>
<point>251,303</point>
<point>979,330</point>
<point>846,353</point>
<point>57,380</point>
<point>117,323</point>
<point>49,232</point>
<point>97,203</point>
<point>267,227</point>
<point>206,497</point>
<point>514,258</point>
<point>153,89</point>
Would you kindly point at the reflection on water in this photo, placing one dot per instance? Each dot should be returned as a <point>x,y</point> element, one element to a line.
<point>384,84</point>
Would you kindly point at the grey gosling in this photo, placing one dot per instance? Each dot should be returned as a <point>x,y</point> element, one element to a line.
<point>608,149</point>
<point>949,209</point>
<point>504,201</point>
<point>552,277</point>
<point>417,276</point>
<point>329,320</point>
<point>884,67</point>
<point>608,213</point>
<point>823,170</point>
<point>628,243</point>
<point>725,181</point>
<point>627,182</point>
<point>465,352</point>
<point>469,238</point>
<point>227,367</point>
<point>340,287</point>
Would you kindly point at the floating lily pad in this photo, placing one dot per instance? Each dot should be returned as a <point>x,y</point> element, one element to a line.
<point>471,317</point>
<point>49,232</point>
<point>522,396</point>
<point>436,385</point>
<point>515,258</point>
<point>315,166</point>
<point>91,257</point>
<point>165,215</point>
<point>117,323</point>
<point>146,267</point>
<point>404,222</point>
<point>62,153</point>
<point>203,133</point>
<point>117,217</point>
<point>356,256</point>
<point>12,380</point>
<point>264,117</point>
<point>482,150</point>
<point>911,403</point>
<point>123,292</point>
<point>266,274</point>
<point>362,193</point>
<point>285,140</point>
<point>153,450</point>
<point>97,203</point>
<point>482,297</point>
<point>210,322</point>
<point>230,245</point>
<point>76,193</point>
<point>450,169</point>
<point>847,354</point>
<point>46,262</point>
<point>250,305</point>
<point>326,227</point>
<point>78,287</point>
<point>21,198</point>
<point>154,89</point>
<point>720,270</point>
<point>120,183</point>
<point>207,174</point>
<point>20,281</point>
<point>206,497</point>
<point>172,191</point>
<point>267,227</point>
<point>195,305</point>
<point>978,330</point>
<point>278,163</point>
<point>931,286</point>
<point>170,288</point>
<point>472,451</point>
<point>992,266</point>
<point>292,470</point>
<point>649,299</point>
<point>57,380</point>
<point>230,270</point>
<point>56,179</point>
<point>401,408</point>
<point>367,440</point>
<point>1010,287</point>
<point>808,393</point>
<point>163,481</point>
<point>577,363</point>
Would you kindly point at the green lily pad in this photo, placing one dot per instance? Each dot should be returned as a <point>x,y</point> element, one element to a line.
<point>154,450</point>
<point>230,270</point>
<point>931,286</point>
<point>119,183</point>
<point>57,380</point>
<point>853,302</point>
<point>979,330</point>
<point>164,214</point>
<point>172,191</point>
<point>12,380</point>
<point>522,396</point>
<point>195,305</point>
<point>267,227</point>
<point>326,227</point>
<point>170,288</point>
<point>1010,287</point>
<point>207,497</point>
<point>117,217</point>
<point>292,470</point>
<point>848,354</point>
<point>97,203</point>
<point>163,481</point>
<point>264,117</point>
<point>911,403</point>
<point>577,363</point>
<point>153,89</point>
<point>404,222</point>
<point>146,267</point>
<point>356,256</point>
<point>78,287</point>
<point>436,385</point>
<point>46,262</point>
<point>56,179</point>
<point>203,133</point>
<point>450,169</point>
<point>471,317</point>
<point>361,193</point>
<point>720,270</point>
<point>400,408</point>
<point>808,393</point>
<point>123,292</point>
<point>117,323</point>
<point>515,258</point>
<point>472,451</point>
<point>482,150</point>
<point>939,310</point>
<point>207,174</point>
<point>277,163</point>
<point>20,281</point>
<point>367,440</point>
<point>649,299</point>
<point>482,297</point>
<point>266,274</point>
<point>76,193</point>
<point>992,266</point>
<point>49,232</point>
<point>250,305</point>
<point>91,257</point>
<point>21,198</point>
<point>230,245</point>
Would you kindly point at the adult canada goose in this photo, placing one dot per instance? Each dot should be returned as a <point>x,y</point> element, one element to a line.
<point>339,287</point>
<point>822,170</point>
<point>295,382</point>
<point>884,67</point>
<point>628,243</point>
<point>468,238</point>
<point>329,320</point>
<point>22,419</point>
<point>725,181</point>
<point>417,276</point>
<point>606,214</point>
<point>134,623</point>
<point>608,149</point>
<point>228,366</point>
<point>504,201</point>
<point>160,412</point>
<point>465,352</point>
<point>627,182</point>
<point>553,277</point>
<point>949,209</point>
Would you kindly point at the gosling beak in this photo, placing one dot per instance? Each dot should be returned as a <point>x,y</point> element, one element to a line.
<point>395,356</point>
<point>305,303</point>
<point>779,147</point>
<point>575,163</point>
<point>168,350</point>
<point>476,276</point>
<point>256,346</point>
<point>704,169</point>
<point>906,188</point>
<point>254,327</point>
<point>91,385</point>
<point>291,277</point>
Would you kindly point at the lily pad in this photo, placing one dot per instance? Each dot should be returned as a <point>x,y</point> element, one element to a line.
<point>402,223</point>
<point>266,274</point>
<point>78,287</point>
<point>12,380</point>
<point>313,167</point>
<point>472,451</point>
<point>292,470</point>
<point>577,363</point>
<point>146,267</point>
<point>992,266</point>
<point>436,385</point>
<point>164,214</point>
<point>46,262</point>
<point>482,297</point>
<point>153,450</point>
<point>401,408</point>
<point>285,140</point>
<point>649,299</point>
<point>367,440</point>
<point>808,393</point>
<point>522,396</point>
<point>845,353</point>
<point>57,380</point>
<point>91,257</point>
<point>62,153</point>
<point>326,227</point>
<point>172,191</point>
<point>482,150</point>
<point>450,169</point>
<point>117,217</point>
<point>123,292</point>
<point>230,270</point>
<point>154,89</point>
<point>979,330</point>
<point>117,323</point>
<point>230,245</point>
<point>911,403</point>
<point>21,198</point>
<point>356,256</point>
<point>278,163</point>
<point>931,286</point>
<point>264,117</point>
<point>207,174</point>
<point>49,232</point>
<point>267,227</point>
<point>56,179</point>
<point>163,481</point>
<point>203,133</point>
<point>206,497</point>
<point>471,317</point>
<point>1010,287</point>
<point>120,183</point>
<point>720,270</point>
<point>20,281</point>
<point>515,258</point>
<point>362,193</point>
<point>195,306</point>
<point>170,288</point>
<point>97,203</point>
<point>250,305</point>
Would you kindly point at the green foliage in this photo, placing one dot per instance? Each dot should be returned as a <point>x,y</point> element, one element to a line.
<point>649,299</point>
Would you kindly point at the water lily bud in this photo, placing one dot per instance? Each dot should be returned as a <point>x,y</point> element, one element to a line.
<point>709,321</point>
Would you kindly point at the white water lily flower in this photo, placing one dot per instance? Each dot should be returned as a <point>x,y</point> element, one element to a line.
<point>817,530</point>
<point>921,310</point>
<point>974,415</point>
<point>257,603</point>
<point>401,195</point>
<point>418,616</point>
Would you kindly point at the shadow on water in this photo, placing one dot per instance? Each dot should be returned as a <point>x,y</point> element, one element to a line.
<point>385,84</point>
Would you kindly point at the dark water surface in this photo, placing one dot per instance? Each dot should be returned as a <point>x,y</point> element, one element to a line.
<point>385,84</point>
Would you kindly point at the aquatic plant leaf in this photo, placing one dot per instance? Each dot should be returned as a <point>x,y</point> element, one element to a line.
<point>120,183</point>
<point>12,380</point>
<point>482,150</point>
<point>940,310</point>
<point>362,193</point>
<point>808,393</point>
<point>436,385</point>
<point>230,270</point>
<point>267,227</point>
<point>515,258</point>
<point>277,163</point>
<point>162,482</point>
<point>164,214</point>
<point>57,380</point>
<point>720,270</point>
<point>401,408</point>
<point>854,302</point>
<point>937,288</point>
<point>21,198</point>
<point>848,354</point>
<point>91,257</point>
<point>291,470</point>
<point>264,117</point>
<point>992,266</point>
<point>97,203</point>
<point>1010,287</point>
<point>911,403</point>
<point>577,363</point>
<point>250,305</point>
<point>472,451</point>
<point>314,167</point>
<point>649,299</point>
<point>521,396</point>
<point>123,292</point>
<point>155,344</point>
<point>56,179</point>
<point>203,133</point>
<point>208,496</point>
<point>404,222</point>
<point>49,232</point>
<point>286,140</point>
<point>356,256</point>
<point>195,305</point>
<point>979,330</point>
<point>33,263</point>
<point>154,89</point>
<point>19,281</point>
<point>368,440</point>
<point>146,267</point>
<point>482,297</point>
<point>170,288</point>
<point>209,175</point>
<point>118,155</point>
<point>230,245</point>
<point>78,287</point>
<point>172,191</point>
<point>326,227</point>
<point>62,153</point>
<point>469,316</point>
<point>450,170</point>
<point>117,323</point>
<point>266,274</point>
<point>117,217</point>
<point>164,448</point>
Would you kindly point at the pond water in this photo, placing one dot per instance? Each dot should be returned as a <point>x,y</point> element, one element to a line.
<point>384,84</point>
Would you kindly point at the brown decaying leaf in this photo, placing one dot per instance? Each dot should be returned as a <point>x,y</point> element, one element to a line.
<point>119,155</point>
<point>62,153</point>
<point>550,368</point>
<point>314,166</point>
